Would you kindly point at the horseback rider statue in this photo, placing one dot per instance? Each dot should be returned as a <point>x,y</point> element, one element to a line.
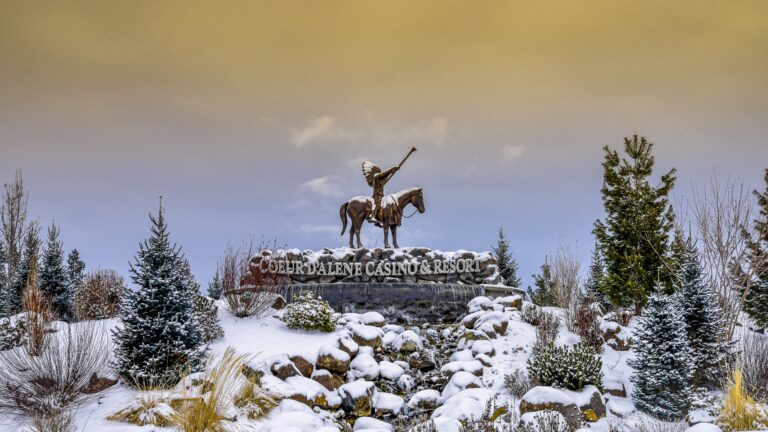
<point>377,179</point>
<point>386,211</point>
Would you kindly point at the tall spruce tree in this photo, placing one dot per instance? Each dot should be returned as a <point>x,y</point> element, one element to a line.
<point>28,262</point>
<point>702,316</point>
<point>214,286</point>
<point>663,368</point>
<point>160,338</point>
<point>75,271</point>
<point>634,236</point>
<point>507,265</point>
<point>544,295</point>
<point>53,277</point>
<point>756,301</point>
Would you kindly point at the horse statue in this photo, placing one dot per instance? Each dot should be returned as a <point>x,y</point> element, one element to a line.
<point>392,207</point>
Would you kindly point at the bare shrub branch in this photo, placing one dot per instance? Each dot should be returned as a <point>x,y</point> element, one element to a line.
<point>99,296</point>
<point>248,293</point>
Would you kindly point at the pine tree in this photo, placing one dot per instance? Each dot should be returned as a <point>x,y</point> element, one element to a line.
<point>29,260</point>
<point>756,302</point>
<point>592,289</point>
<point>3,278</point>
<point>545,287</point>
<point>160,338</point>
<point>75,271</point>
<point>663,369</point>
<point>214,287</point>
<point>634,236</point>
<point>53,277</point>
<point>507,265</point>
<point>702,316</point>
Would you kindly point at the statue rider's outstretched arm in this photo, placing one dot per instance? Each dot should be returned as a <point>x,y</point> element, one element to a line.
<point>387,174</point>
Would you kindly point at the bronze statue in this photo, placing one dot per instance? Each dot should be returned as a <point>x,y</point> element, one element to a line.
<point>384,211</point>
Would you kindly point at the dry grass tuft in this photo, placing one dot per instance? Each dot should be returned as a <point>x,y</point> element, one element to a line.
<point>739,411</point>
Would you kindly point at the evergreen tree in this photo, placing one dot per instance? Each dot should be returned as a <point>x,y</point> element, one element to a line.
<point>634,236</point>
<point>507,264</point>
<point>592,288</point>
<point>677,251</point>
<point>214,287</point>
<point>3,279</point>
<point>544,295</point>
<point>160,338</point>
<point>702,316</point>
<point>53,277</point>
<point>75,271</point>
<point>663,369</point>
<point>28,262</point>
<point>756,302</point>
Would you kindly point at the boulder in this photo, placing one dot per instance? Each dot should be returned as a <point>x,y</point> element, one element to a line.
<point>483,347</point>
<point>407,341</point>
<point>312,393</point>
<point>364,366</point>
<point>704,427</point>
<point>497,319</point>
<point>387,404</point>
<point>695,417</point>
<point>551,399</point>
<point>333,359</point>
<point>356,398</point>
<point>365,335</point>
<point>513,301</point>
<point>370,424</point>
<point>279,303</point>
<point>373,319</point>
<point>327,379</point>
<point>252,374</point>
<point>614,387</point>
<point>284,368</point>
<point>389,370</point>
<point>616,336</point>
<point>620,407</point>
<point>304,366</point>
<point>475,367</point>
<point>590,402</point>
<point>349,346</point>
<point>458,382</point>
<point>425,400</point>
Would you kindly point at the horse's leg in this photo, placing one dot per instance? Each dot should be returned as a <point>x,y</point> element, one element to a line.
<point>351,236</point>
<point>394,237</point>
<point>386,236</point>
<point>359,243</point>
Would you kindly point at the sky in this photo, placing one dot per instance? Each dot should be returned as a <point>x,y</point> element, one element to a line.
<point>252,118</point>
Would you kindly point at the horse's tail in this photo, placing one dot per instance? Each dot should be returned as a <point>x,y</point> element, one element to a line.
<point>343,215</point>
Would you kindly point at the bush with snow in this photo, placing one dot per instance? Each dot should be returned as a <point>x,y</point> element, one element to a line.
<point>565,367</point>
<point>309,313</point>
<point>12,335</point>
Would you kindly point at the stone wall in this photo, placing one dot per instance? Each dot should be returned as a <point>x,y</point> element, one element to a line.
<point>486,271</point>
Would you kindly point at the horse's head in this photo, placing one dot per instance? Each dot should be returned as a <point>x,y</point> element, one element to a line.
<point>418,200</point>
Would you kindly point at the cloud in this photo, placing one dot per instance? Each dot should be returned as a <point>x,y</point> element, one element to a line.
<point>325,186</point>
<point>319,129</point>
<point>510,153</point>
<point>433,131</point>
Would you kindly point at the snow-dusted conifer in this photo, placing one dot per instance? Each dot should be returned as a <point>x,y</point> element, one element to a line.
<point>75,271</point>
<point>53,277</point>
<point>592,286</point>
<point>214,287</point>
<point>3,279</point>
<point>160,337</point>
<point>544,295</point>
<point>663,367</point>
<point>756,302</point>
<point>702,316</point>
<point>28,260</point>
<point>507,264</point>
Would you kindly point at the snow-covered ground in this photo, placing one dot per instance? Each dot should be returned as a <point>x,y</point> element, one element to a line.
<point>474,372</point>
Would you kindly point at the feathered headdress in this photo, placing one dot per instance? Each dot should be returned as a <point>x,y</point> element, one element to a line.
<point>370,170</point>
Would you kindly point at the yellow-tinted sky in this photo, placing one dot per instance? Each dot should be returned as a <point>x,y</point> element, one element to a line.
<point>251,116</point>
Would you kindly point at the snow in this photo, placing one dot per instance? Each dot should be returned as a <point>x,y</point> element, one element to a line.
<point>365,332</point>
<point>372,318</point>
<point>387,401</point>
<point>458,382</point>
<point>356,389</point>
<point>464,405</point>
<point>700,416</point>
<point>620,407</point>
<point>311,389</point>
<point>429,396</point>
<point>292,416</point>
<point>479,303</point>
<point>370,424</point>
<point>390,371</point>
<point>462,355</point>
<point>336,353</point>
<point>408,336</point>
<point>704,427</point>
<point>544,394</point>
<point>472,366</point>
<point>364,366</point>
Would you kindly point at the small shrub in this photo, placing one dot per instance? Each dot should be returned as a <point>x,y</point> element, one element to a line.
<point>309,313</point>
<point>496,417</point>
<point>205,414</point>
<point>247,303</point>
<point>739,411</point>
<point>531,314</point>
<point>254,401</point>
<point>546,332</point>
<point>99,295</point>
<point>544,421</point>
<point>207,314</point>
<point>621,316</point>
<point>518,383</point>
<point>586,324</point>
<point>39,314</point>
<point>12,336</point>
<point>47,383</point>
<point>565,367</point>
<point>754,363</point>
<point>58,422</point>
<point>651,425</point>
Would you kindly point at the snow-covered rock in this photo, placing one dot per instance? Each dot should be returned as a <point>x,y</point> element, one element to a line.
<point>544,398</point>
<point>390,371</point>
<point>327,379</point>
<point>425,399</point>
<point>704,427</point>
<point>356,397</point>
<point>620,407</point>
<point>458,382</point>
<point>366,335</point>
<point>472,366</point>
<point>333,359</point>
<point>513,301</point>
<point>312,393</point>
<point>364,366</point>
<point>542,421</point>
<point>479,303</point>
<point>387,404</point>
<point>699,416</point>
<point>370,424</point>
<point>407,341</point>
<point>464,405</point>
<point>373,319</point>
